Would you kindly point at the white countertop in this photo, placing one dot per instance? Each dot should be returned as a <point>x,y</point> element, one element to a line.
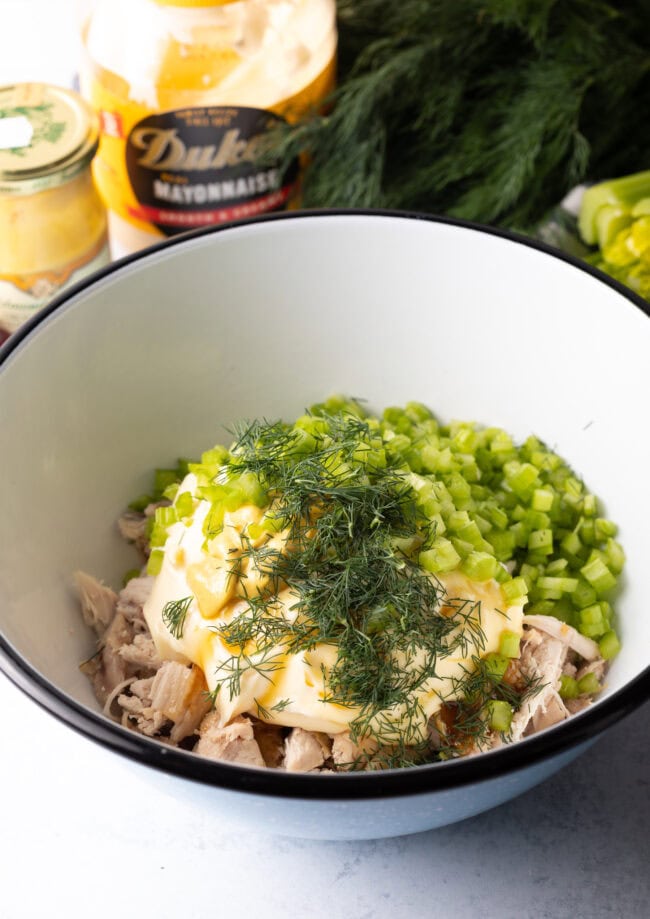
<point>73,844</point>
<point>574,848</point>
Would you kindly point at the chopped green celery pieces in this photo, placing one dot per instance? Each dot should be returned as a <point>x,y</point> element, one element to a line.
<point>541,608</point>
<point>593,621</point>
<point>496,665</point>
<point>497,516</point>
<point>471,533</point>
<point>563,585</point>
<point>417,412</point>
<point>584,594</point>
<point>615,556</point>
<point>154,564</point>
<point>213,523</point>
<point>304,443</point>
<point>598,575</point>
<point>568,687</point>
<point>457,520</point>
<point>588,685</point>
<point>441,557</point>
<point>184,504</point>
<point>522,478</point>
<point>500,715</point>
<point>609,645</point>
<point>514,591</point>
<point>542,499</point>
<point>463,548</point>
<point>557,567</point>
<point>479,566</point>
<point>571,544</point>
<point>541,541</point>
<point>158,535</point>
<point>163,478</point>
<point>509,643</point>
<point>165,516</point>
<point>217,456</point>
<point>171,491</point>
<point>590,506</point>
<point>529,573</point>
<point>503,544</point>
<point>620,193</point>
<point>255,530</point>
<point>604,529</point>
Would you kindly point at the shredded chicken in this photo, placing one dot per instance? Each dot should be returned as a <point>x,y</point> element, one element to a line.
<point>169,700</point>
<point>347,753</point>
<point>582,645</point>
<point>306,750</point>
<point>233,743</point>
<point>542,658</point>
<point>97,601</point>
<point>181,694</point>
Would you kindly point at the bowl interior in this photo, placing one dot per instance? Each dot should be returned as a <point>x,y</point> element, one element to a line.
<point>159,357</point>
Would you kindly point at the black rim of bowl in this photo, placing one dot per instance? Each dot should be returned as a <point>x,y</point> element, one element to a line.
<point>356,785</point>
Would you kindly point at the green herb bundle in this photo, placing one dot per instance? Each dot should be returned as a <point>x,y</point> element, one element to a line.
<point>488,110</point>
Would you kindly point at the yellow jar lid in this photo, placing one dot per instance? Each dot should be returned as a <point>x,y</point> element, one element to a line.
<point>47,136</point>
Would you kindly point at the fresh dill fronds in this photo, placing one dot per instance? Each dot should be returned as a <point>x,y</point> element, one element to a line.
<point>342,511</point>
<point>486,109</point>
<point>174,613</point>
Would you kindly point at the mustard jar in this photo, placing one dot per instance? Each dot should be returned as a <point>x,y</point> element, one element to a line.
<point>52,220</point>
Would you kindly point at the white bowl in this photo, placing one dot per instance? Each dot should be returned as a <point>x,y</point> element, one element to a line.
<point>157,355</point>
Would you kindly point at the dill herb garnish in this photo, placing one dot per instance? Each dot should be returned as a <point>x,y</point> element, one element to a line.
<point>174,613</point>
<point>346,511</point>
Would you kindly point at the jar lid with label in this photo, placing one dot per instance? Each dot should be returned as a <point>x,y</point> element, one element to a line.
<point>47,136</point>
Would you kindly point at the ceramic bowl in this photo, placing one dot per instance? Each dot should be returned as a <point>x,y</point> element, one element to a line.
<point>157,355</point>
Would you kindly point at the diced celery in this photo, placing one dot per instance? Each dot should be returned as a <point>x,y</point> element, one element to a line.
<point>163,478</point>
<point>541,541</point>
<point>563,585</point>
<point>500,715</point>
<point>609,645</point>
<point>568,687</point>
<point>184,504</point>
<point>542,499</point>
<point>514,591</point>
<point>496,665</point>
<point>588,684</point>
<point>479,566</point>
<point>154,564</point>
<point>598,575</point>
<point>509,643</point>
<point>441,557</point>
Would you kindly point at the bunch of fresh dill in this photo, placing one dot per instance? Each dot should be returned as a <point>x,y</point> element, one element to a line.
<point>489,110</point>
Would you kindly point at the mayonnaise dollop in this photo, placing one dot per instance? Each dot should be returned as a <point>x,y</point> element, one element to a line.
<point>289,689</point>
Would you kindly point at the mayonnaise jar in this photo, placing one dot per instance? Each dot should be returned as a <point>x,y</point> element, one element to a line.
<point>186,90</point>
<point>52,221</point>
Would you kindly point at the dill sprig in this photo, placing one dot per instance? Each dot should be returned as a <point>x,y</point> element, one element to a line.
<point>345,518</point>
<point>174,613</point>
<point>486,109</point>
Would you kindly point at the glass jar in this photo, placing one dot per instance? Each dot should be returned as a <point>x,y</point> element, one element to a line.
<point>185,91</point>
<point>52,221</point>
